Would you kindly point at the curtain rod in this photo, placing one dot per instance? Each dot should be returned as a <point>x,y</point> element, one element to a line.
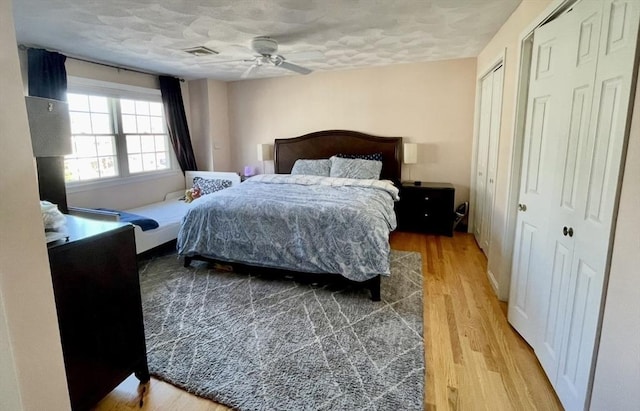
<point>24,48</point>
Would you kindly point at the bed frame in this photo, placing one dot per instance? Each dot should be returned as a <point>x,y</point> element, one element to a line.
<point>320,145</point>
<point>324,144</point>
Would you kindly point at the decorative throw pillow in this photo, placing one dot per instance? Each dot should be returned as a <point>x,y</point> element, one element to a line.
<point>312,167</point>
<point>373,156</point>
<point>355,168</point>
<point>208,186</point>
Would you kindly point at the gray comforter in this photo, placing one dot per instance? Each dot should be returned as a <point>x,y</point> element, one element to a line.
<point>296,222</point>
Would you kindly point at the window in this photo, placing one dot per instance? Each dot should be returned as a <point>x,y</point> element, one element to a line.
<point>143,123</point>
<point>115,137</point>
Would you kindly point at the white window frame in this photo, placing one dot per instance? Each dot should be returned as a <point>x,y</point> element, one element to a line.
<point>81,85</point>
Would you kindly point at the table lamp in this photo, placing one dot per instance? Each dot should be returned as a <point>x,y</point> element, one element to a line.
<point>410,156</point>
<point>265,153</point>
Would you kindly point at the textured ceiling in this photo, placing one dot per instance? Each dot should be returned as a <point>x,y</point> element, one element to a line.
<point>150,35</point>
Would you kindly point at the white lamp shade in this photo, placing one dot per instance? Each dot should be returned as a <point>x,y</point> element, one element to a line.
<point>410,155</point>
<point>265,152</point>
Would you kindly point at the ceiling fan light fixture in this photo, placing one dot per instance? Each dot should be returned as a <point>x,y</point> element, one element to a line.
<point>266,49</point>
<point>200,51</point>
<point>264,45</point>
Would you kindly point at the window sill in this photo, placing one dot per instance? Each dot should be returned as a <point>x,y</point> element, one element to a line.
<point>119,181</point>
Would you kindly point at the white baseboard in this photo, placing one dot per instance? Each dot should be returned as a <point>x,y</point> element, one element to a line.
<point>493,282</point>
<point>502,294</point>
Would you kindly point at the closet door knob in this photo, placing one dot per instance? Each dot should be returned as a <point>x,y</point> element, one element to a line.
<point>522,207</point>
<point>565,231</point>
<point>570,231</point>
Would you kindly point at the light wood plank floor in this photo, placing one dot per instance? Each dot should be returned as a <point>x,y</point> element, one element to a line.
<point>475,361</point>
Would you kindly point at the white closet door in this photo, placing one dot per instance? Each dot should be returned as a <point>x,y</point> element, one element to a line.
<point>489,113</point>
<point>492,157</point>
<point>530,273</point>
<point>581,28</point>
<point>597,184</point>
<point>484,131</point>
<point>580,86</point>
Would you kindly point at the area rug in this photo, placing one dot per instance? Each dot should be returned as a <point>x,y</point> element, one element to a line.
<point>256,343</point>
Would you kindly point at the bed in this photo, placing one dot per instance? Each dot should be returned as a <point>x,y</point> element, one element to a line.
<point>168,213</point>
<point>305,224</point>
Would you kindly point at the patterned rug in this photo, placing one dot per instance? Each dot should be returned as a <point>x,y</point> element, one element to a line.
<point>257,343</point>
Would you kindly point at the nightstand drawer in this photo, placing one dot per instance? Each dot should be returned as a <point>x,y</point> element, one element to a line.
<point>423,196</point>
<point>426,208</point>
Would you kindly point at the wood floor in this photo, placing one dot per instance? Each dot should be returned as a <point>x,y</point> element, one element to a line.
<point>475,361</point>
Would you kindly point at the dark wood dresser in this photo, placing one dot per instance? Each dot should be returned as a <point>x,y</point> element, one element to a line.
<point>427,208</point>
<point>97,293</point>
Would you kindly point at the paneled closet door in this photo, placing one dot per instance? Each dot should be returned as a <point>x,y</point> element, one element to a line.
<point>487,155</point>
<point>561,253</point>
<point>531,267</point>
<point>484,131</point>
<point>581,28</point>
<point>492,156</point>
<point>597,185</point>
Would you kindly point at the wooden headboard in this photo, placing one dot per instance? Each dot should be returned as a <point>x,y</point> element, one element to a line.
<point>324,144</point>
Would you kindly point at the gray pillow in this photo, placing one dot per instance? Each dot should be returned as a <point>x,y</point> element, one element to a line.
<point>355,168</point>
<point>312,167</point>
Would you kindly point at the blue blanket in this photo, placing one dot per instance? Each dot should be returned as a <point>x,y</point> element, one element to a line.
<point>144,223</point>
<point>300,223</point>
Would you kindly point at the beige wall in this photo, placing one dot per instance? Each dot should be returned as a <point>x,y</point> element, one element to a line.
<point>506,41</point>
<point>9,386</point>
<point>124,196</point>
<point>209,124</point>
<point>219,118</point>
<point>32,373</point>
<point>617,377</point>
<point>79,68</point>
<point>199,123</point>
<point>426,103</point>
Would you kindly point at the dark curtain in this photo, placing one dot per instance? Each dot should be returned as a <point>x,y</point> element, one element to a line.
<point>48,78</point>
<point>47,75</point>
<point>177,122</point>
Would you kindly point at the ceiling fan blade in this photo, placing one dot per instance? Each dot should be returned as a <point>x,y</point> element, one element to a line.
<point>213,62</point>
<point>293,67</point>
<point>250,70</point>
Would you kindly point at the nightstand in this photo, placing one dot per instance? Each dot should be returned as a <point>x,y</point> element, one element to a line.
<point>427,208</point>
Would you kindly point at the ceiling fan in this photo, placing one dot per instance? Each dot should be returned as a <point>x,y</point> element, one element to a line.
<point>267,49</point>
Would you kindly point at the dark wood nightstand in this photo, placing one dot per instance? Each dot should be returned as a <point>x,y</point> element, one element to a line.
<point>426,208</point>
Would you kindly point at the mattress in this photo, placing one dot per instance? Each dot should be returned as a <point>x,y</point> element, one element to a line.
<point>168,214</point>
